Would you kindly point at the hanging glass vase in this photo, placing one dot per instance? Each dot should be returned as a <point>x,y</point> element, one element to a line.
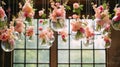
<point>59,24</point>
<point>88,41</point>
<point>115,25</point>
<point>7,46</point>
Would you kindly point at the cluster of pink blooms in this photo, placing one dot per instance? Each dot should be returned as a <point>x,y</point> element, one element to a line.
<point>30,31</point>
<point>77,26</point>
<point>58,11</point>
<point>89,32</point>
<point>19,27</point>
<point>2,14</point>
<point>63,34</point>
<point>117,14</point>
<point>28,11</point>
<point>6,35</point>
<point>101,15</point>
<point>45,34</point>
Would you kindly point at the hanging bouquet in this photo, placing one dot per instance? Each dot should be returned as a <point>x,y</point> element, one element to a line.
<point>3,19</point>
<point>101,16</point>
<point>78,29</point>
<point>46,36</point>
<point>8,39</point>
<point>63,34</point>
<point>89,34</point>
<point>116,19</point>
<point>57,16</point>
<point>107,40</point>
<point>28,11</point>
<point>30,32</point>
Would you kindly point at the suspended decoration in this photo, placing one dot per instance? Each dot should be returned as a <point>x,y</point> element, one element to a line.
<point>81,29</point>
<point>116,18</point>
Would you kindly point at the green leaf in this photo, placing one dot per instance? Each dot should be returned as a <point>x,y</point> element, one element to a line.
<point>44,16</point>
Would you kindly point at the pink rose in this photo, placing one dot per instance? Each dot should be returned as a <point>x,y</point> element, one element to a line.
<point>75,16</point>
<point>101,8</point>
<point>41,12</point>
<point>2,13</point>
<point>76,6</point>
<point>116,18</point>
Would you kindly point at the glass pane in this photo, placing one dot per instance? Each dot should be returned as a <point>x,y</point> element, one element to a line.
<point>35,25</point>
<point>43,56</point>
<point>31,56</point>
<point>63,56</point>
<point>86,46</point>
<point>20,43</point>
<point>100,56</point>
<point>87,56</point>
<point>75,65</point>
<point>31,43</point>
<point>87,65</point>
<point>18,65</point>
<point>18,55</point>
<point>75,44</point>
<point>98,42</point>
<point>31,65</point>
<point>102,65</point>
<point>43,65</point>
<point>63,65</point>
<point>62,44</point>
<point>75,56</point>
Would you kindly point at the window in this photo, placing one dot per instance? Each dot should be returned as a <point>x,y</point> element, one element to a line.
<point>69,54</point>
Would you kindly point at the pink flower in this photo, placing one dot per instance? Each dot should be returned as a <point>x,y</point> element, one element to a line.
<point>57,4</point>
<point>75,16</point>
<point>41,12</point>
<point>76,6</point>
<point>42,34</point>
<point>4,36</point>
<point>30,31</point>
<point>101,8</point>
<point>63,33</point>
<point>40,28</point>
<point>41,21</point>
<point>76,26</point>
<point>107,39</point>
<point>2,13</point>
<point>19,27</point>
<point>82,30</point>
<point>88,32</point>
<point>116,18</point>
<point>28,10</point>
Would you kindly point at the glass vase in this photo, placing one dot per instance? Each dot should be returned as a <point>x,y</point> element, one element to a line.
<point>116,25</point>
<point>7,46</point>
<point>59,24</point>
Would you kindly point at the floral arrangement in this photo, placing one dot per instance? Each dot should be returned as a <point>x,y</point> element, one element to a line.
<point>22,24</point>
<point>46,36</point>
<point>101,16</point>
<point>3,20</point>
<point>28,11</point>
<point>57,15</point>
<point>63,34</point>
<point>107,40</point>
<point>116,18</point>
<point>78,29</point>
<point>89,34</point>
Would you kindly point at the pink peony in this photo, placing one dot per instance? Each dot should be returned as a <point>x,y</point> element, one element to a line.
<point>76,6</point>
<point>4,36</point>
<point>2,13</point>
<point>100,8</point>
<point>116,18</point>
